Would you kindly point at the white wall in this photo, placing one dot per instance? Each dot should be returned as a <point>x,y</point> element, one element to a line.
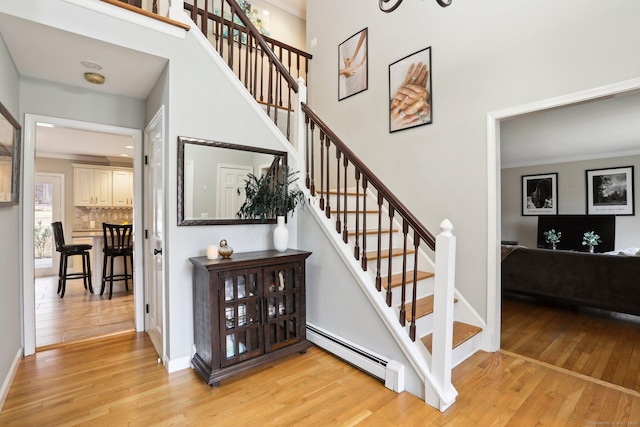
<point>10,265</point>
<point>487,55</point>
<point>572,195</point>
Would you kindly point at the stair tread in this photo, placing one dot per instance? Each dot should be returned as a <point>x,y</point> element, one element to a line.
<point>461,333</point>
<point>396,279</point>
<point>424,306</point>
<point>372,231</point>
<point>372,255</point>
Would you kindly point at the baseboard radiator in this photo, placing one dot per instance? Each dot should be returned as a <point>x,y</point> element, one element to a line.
<point>389,371</point>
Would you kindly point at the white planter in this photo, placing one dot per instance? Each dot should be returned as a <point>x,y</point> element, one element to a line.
<point>280,236</point>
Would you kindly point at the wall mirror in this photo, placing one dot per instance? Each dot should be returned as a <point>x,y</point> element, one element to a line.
<point>9,158</point>
<point>211,179</point>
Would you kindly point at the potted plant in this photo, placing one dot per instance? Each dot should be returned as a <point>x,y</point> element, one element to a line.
<point>269,196</point>
<point>591,239</point>
<point>552,237</point>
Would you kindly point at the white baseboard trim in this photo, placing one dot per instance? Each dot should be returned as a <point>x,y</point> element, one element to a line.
<point>6,385</point>
<point>390,371</point>
<point>179,364</point>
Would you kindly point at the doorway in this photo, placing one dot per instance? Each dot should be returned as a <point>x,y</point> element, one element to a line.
<point>29,220</point>
<point>494,306</point>
<point>49,207</point>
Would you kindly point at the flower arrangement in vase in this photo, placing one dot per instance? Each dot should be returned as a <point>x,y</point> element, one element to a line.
<point>591,239</point>
<point>270,196</point>
<point>552,237</point>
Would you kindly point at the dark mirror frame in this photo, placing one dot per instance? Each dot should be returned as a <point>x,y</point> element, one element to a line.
<point>16,150</point>
<point>182,141</point>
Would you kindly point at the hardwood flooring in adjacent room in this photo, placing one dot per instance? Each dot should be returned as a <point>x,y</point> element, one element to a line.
<point>80,314</point>
<point>596,343</point>
<point>117,381</point>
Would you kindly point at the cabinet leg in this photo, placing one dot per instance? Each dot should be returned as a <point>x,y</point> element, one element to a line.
<point>303,351</point>
<point>215,384</point>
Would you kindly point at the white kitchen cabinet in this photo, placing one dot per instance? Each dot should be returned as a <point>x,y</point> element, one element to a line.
<point>92,187</point>
<point>122,188</point>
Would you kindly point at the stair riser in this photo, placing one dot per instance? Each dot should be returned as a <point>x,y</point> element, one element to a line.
<point>396,265</point>
<point>372,241</point>
<point>372,220</point>
<point>425,287</point>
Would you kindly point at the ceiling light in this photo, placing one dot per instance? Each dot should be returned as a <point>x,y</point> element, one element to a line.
<point>129,146</point>
<point>44,125</point>
<point>91,65</point>
<point>94,78</point>
<point>384,8</point>
<point>124,155</point>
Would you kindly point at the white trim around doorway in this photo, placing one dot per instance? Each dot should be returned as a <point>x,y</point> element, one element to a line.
<point>494,306</point>
<point>27,217</point>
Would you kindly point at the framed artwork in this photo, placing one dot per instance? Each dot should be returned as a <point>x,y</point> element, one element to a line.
<point>540,194</point>
<point>410,91</point>
<point>610,191</point>
<point>353,70</point>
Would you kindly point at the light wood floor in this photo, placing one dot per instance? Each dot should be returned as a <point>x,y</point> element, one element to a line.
<point>80,314</point>
<point>600,344</point>
<point>117,381</point>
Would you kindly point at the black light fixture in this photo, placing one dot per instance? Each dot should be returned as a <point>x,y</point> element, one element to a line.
<point>389,9</point>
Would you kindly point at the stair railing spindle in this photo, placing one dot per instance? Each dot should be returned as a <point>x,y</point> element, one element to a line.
<point>379,263</point>
<point>322,192</point>
<point>328,207</point>
<point>345,231</point>
<point>338,224</point>
<point>356,248</point>
<point>364,224</point>
<point>390,259</point>
<point>403,298</point>
<point>414,296</point>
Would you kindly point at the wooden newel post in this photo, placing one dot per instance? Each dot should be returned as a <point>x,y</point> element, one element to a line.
<point>444,294</point>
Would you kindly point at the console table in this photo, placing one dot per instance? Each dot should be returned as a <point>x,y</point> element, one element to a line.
<point>248,310</point>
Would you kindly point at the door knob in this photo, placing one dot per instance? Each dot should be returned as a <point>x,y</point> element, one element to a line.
<point>157,251</point>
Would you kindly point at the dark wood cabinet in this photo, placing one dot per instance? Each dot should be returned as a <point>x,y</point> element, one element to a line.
<point>248,310</point>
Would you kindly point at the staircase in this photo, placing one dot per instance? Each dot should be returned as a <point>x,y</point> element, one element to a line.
<point>396,272</point>
<point>409,272</point>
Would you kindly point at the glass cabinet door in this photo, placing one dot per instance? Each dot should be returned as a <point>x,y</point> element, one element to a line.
<point>241,331</point>
<point>283,295</point>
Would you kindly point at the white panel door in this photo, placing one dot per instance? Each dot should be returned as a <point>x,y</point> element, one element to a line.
<point>154,227</point>
<point>231,189</point>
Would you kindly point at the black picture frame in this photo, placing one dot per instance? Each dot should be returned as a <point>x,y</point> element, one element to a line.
<point>10,158</point>
<point>610,191</point>
<point>540,194</point>
<point>353,65</point>
<point>410,100</point>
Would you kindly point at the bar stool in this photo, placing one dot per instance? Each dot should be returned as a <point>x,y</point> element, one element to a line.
<point>67,251</point>
<point>118,242</point>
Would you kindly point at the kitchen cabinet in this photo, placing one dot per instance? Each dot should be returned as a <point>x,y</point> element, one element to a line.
<point>92,186</point>
<point>248,310</point>
<point>122,188</point>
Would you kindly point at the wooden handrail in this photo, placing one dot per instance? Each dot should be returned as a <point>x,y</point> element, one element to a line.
<point>148,14</point>
<point>372,179</point>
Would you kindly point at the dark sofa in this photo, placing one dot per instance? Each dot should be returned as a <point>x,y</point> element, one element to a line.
<point>609,282</point>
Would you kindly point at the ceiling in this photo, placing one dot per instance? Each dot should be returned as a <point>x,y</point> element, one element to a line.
<point>606,127</point>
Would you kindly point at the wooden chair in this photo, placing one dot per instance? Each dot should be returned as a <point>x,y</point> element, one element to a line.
<point>118,242</point>
<point>67,251</point>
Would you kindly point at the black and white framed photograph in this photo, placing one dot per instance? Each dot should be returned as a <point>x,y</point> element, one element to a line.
<point>610,191</point>
<point>540,194</point>
<point>353,72</point>
<point>410,91</point>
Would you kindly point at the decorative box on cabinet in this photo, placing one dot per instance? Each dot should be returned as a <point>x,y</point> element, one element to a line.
<point>248,310</point>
